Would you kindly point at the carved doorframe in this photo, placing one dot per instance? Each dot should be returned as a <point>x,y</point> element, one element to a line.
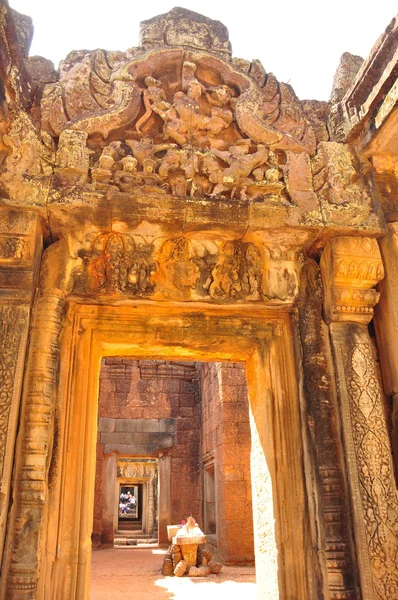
<point>259,337</point>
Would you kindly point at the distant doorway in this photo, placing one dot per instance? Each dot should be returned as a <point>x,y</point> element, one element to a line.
<point>135,498</point>
<point>130,507</point>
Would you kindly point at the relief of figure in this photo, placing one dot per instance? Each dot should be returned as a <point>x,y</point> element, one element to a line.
<point>241,164</point>
<point>220,95</point>
<point>102,173</point>
<point>237,274</point>
<point>154,102</point>
<point>183,120</point>
<point>128,178</point>
<point>179,167</point>
<point>146,148</point>
<point>149,175</point>
<point>195,158</point>
<point>267,180</point>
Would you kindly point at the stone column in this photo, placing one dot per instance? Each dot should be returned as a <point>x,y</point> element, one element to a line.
<point>351,266</point>
<point>150,505</point>
<point>20,251</point>
<point>108,499</point>
<point>164,497</point>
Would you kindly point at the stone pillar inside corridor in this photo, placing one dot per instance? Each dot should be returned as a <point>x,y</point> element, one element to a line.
<point>351,267</point>
<point>151,505</point>
<point>20,251</point>
<point>164,495</point>
<point>108,499</point>
<point>386,326</point>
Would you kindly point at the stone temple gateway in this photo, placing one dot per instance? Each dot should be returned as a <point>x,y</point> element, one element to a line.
<point>173,203</point>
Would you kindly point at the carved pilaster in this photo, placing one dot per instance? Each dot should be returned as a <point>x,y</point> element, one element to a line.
<point>386,325</point>
<point>33,452</point>
<point>333,534</point>
<point>350,268</point>
<point>20,249</point>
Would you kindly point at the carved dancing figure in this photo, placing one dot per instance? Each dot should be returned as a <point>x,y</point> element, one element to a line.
<point>184,117</point>
<point>241,164</point>
<point>154,101</point>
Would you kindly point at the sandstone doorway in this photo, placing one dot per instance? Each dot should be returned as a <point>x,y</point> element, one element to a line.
<point>129,510</point>
<point>260,340</point>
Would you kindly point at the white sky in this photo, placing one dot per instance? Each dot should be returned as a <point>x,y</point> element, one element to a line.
<point>300,41</point>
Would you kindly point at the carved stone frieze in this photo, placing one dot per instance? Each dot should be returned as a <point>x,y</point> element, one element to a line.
<point>176,120</point>
<point>135,469</point>
<point>341,185</point>
<point>182,268</point>
<point>118,264</point>
<point>189,145</point>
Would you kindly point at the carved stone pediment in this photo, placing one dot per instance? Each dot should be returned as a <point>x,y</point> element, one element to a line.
<point>175,120</point>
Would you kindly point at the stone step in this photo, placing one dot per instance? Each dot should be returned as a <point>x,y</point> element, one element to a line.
<point>123,541</point>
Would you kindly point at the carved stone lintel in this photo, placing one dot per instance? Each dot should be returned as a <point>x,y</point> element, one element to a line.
<point>136,469</point>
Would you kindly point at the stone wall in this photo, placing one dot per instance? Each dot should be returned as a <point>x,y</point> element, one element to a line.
<point>226,444</point>
<point>151,408</point>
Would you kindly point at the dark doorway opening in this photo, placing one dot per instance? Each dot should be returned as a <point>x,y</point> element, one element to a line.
<point>130,507</point>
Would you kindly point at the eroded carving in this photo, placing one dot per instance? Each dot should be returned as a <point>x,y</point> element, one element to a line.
<point>238,273</point>
<point>13,248</point>
<point>178,267</point>
<point>133,469</point>
<point>337,178</point>
<point>119,264</point>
